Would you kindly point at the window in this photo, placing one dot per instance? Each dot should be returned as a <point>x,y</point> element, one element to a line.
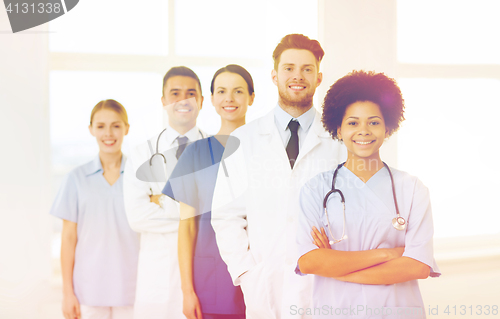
<point>449,73</point>
<point>112,27</point>
<point>448,32</point>
<point>94,57</point>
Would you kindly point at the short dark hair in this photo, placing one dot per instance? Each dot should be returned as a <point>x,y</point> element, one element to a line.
<point>363,86</point>
<point>297,41</point>
<point>234,68</point>
<point>180,71</point>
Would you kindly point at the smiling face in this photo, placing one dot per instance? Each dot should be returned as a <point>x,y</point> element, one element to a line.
<point>363,130</point>
<point>297,77</point>
<point>182,100</point>
<point>109,130</point>
<point>231,97</point>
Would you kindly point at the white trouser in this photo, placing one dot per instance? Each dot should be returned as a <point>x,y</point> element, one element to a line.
<point>91,312</point>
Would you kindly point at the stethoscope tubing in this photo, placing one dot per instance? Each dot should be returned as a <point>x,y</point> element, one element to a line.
<point>399,222</point>
<point>157,147</point>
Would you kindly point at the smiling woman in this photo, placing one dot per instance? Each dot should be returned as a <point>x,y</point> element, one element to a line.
<point>383,214</point>
<point>90,203</point>
<point>206,284</point>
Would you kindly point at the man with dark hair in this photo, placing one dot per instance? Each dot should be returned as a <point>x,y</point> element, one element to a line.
<point>152,214</point>
<point>180,71</point>
<point>255,206</point>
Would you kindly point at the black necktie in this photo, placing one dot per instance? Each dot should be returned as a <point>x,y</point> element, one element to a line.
<point>292,149</point>
<point>182,141</point>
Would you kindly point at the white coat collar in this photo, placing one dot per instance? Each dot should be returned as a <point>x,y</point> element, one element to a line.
<point>172,135</point>
<point>267,125</point>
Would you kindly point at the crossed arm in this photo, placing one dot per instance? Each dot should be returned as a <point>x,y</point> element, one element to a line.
<point>373,267</point>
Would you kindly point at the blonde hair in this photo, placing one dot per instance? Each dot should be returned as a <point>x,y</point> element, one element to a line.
<point>110,105</point>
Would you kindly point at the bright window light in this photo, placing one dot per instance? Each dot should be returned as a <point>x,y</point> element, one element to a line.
<point>73,94</point>
<point>112,27</point>
<point>449,31</point>
<point>215,29</point>
<point>449,141</point>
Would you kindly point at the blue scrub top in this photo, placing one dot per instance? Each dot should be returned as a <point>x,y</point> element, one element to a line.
<point>192,182</point>
<point>369,210</point>
<point>107,250</point>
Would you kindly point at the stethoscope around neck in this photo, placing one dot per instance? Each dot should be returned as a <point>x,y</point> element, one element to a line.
<point>398,222</point>
<point>160,154</point>
<point>157,152</point>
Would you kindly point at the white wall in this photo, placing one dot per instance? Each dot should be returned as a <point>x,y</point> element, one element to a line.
<point>25,171</point>
<point>358,34</point>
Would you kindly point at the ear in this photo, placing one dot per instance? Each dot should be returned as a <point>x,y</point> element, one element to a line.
<point>386,132</point>
<point>274,76</point>
<point>320,79</point>
<point>126,128</point>
<point>91,130</point>
<point>252,97</point>
<point>338,133</point>
<point>163,101</point>
<point>201,102</point>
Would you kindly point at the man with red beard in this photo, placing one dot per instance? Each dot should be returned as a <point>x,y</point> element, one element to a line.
<point>255,206</point>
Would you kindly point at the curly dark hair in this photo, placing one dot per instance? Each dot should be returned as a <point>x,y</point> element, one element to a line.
<point>363,86</point>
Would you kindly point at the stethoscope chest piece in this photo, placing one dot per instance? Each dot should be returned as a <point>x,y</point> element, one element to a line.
<point>399,223</point>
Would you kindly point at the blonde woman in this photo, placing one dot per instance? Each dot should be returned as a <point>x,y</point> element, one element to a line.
<point>99,251</point>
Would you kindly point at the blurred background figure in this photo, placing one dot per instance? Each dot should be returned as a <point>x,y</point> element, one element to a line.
<point>206,284</point>
<point>152,214</point>
<point>99,250</point>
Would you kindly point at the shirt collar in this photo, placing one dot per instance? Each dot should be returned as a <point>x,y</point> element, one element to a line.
<point>96,166</point>
<point>283,118</point>
<point>172,135</point>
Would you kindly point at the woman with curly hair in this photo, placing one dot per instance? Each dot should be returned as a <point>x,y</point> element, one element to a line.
<point>365,229</point>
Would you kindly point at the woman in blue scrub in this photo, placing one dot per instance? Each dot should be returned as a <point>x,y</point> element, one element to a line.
<point>208,291</point>
<point>99,251</point>
<point>368,266</point>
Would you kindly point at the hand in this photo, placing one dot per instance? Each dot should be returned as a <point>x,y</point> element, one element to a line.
<point>191,306</point>
<point>320,238</point>
<point>71,307</point>
<point>155,199</point>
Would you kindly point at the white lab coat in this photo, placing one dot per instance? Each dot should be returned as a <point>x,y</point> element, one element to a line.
<point>255,212</point>
<point>158,293</point>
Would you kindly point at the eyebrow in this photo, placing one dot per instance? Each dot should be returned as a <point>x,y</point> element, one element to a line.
<point>105,123</point>
<point>357,118</point>
<point>304,65</point>
<point>221,87</point>
<point>176,89</point>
